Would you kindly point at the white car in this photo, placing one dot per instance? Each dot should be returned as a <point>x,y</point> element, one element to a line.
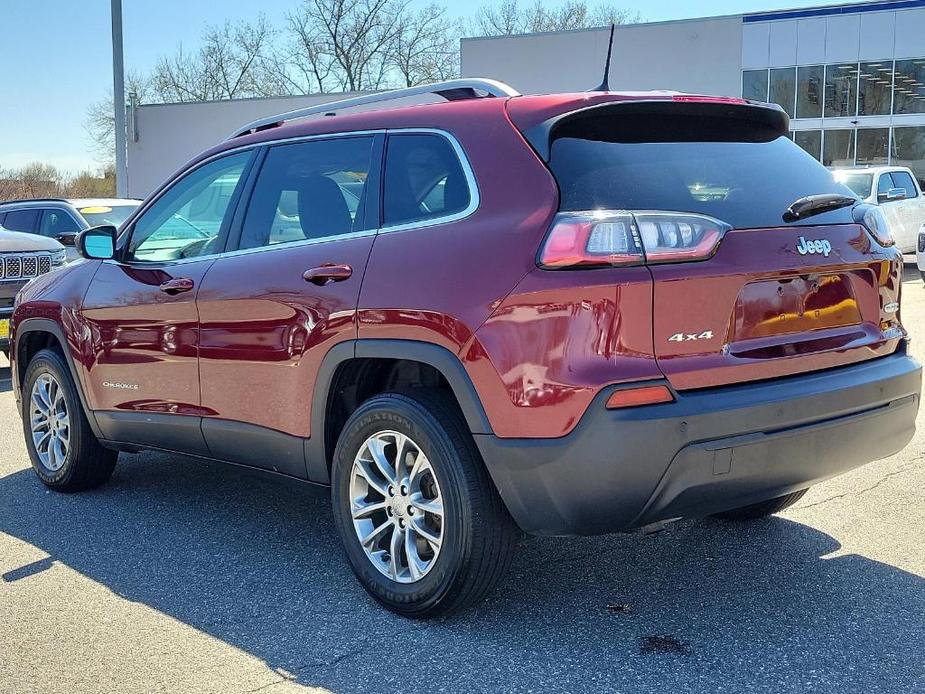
<point>898,194</point>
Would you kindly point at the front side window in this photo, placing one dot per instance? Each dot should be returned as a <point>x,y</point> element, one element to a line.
<point>57,222</point>
<point>186,220</point>
<point>424,179</point>
<point>309,191</point>
<point>884,184</point>
<point>903,180</point>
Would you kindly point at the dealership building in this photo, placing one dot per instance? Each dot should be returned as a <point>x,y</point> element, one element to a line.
<point>851,77</point>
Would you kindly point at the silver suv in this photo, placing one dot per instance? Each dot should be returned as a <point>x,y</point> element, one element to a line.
<point>22,257</point>
<point>62,219</point>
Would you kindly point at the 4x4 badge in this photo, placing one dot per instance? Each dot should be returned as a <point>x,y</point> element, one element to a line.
<point>687,337</point>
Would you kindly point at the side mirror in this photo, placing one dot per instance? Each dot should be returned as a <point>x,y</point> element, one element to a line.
<point>892,194</point>
<point>97,243</point>
<point>66,238</point>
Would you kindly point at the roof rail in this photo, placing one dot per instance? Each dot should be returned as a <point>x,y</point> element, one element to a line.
<point>21,200</point>
<point>451,90</point>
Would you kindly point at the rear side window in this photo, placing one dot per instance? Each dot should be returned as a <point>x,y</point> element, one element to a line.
<point>745,174</point>
<point>424,179</point>
<point>903,180</point>
<point>22,220</point>
<point>309,191</point>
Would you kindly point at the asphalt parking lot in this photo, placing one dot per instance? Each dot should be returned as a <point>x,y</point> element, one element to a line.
<point>182,576</point>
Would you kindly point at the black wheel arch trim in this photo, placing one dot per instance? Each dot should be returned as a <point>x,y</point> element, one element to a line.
<point>317,451</point>
<point>46,325</point>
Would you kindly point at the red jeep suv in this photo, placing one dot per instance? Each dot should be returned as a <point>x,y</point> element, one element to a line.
<point>564,314</point>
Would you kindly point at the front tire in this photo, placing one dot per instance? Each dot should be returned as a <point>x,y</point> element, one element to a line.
<point>65,454</point>
<point>763,508</point>
<point>423,527</point>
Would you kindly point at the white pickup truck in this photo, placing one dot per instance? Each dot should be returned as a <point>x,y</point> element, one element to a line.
<point>897,192</point>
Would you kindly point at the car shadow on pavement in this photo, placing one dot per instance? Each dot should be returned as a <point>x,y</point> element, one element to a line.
<point>698,606</point>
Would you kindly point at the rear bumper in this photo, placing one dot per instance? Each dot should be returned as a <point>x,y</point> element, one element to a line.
<point>709,451</point>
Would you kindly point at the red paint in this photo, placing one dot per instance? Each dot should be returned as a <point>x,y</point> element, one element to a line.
<point>245,341</point>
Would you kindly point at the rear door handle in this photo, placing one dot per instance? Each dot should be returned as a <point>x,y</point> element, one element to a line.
<point>327,273</point>
<point>177,286</point>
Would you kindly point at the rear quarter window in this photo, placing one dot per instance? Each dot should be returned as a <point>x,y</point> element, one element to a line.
<point>745,175</point>
<point>424,179</point>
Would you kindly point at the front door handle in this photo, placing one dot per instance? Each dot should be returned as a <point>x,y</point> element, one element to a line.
<point>327,273</point>
<point>177,286</point>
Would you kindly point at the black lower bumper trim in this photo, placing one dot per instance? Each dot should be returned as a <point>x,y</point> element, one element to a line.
<point>710,451</point>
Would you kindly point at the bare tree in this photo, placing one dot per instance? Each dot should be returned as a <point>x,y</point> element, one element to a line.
<point>234,60</point>
<point>510,17</point>
<point>426,48</point>
<point>346,43</point>
<point>99,121</point>
<point>38,180</point>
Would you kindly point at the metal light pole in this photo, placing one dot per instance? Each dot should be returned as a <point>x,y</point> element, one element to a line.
<point>118,98</point>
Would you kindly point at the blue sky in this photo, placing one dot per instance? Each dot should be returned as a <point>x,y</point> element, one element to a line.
<point>55,57</point>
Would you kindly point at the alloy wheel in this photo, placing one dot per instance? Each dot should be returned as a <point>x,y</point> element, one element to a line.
<point>50,423</point>
<point>396,506</point>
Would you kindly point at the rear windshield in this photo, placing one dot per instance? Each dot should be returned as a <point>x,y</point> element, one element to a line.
<point>745,175</point>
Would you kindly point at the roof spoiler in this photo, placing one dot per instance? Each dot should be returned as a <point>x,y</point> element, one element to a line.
<point>541,136</point>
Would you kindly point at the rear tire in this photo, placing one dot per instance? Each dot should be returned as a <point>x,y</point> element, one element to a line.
<point>65,454</point>
<point>442,538</point>
<point>763,508</point>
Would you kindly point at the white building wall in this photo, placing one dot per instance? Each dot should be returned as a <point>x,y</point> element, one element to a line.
<point>703,56</point>
<point>169,135</point>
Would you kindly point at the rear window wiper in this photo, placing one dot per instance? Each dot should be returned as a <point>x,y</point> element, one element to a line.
<point>817,204</point>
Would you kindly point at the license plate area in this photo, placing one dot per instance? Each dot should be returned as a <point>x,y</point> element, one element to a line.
<point>790,305</point>
<point>4,328</point>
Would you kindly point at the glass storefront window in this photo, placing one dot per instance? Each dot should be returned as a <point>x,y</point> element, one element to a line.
<point>874,88</point>
<point>783,88</point>
<point>909,89</point>
<point>909,150</point>
<point>872,146</point>
<point>841,90</point>
<point>755,85</point>
<point>809,91</point>
<point>810,140</point>
<point>838,148</point>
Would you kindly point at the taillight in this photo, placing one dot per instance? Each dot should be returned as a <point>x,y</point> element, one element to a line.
<point>610,239</point>
<point>873,219</point>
